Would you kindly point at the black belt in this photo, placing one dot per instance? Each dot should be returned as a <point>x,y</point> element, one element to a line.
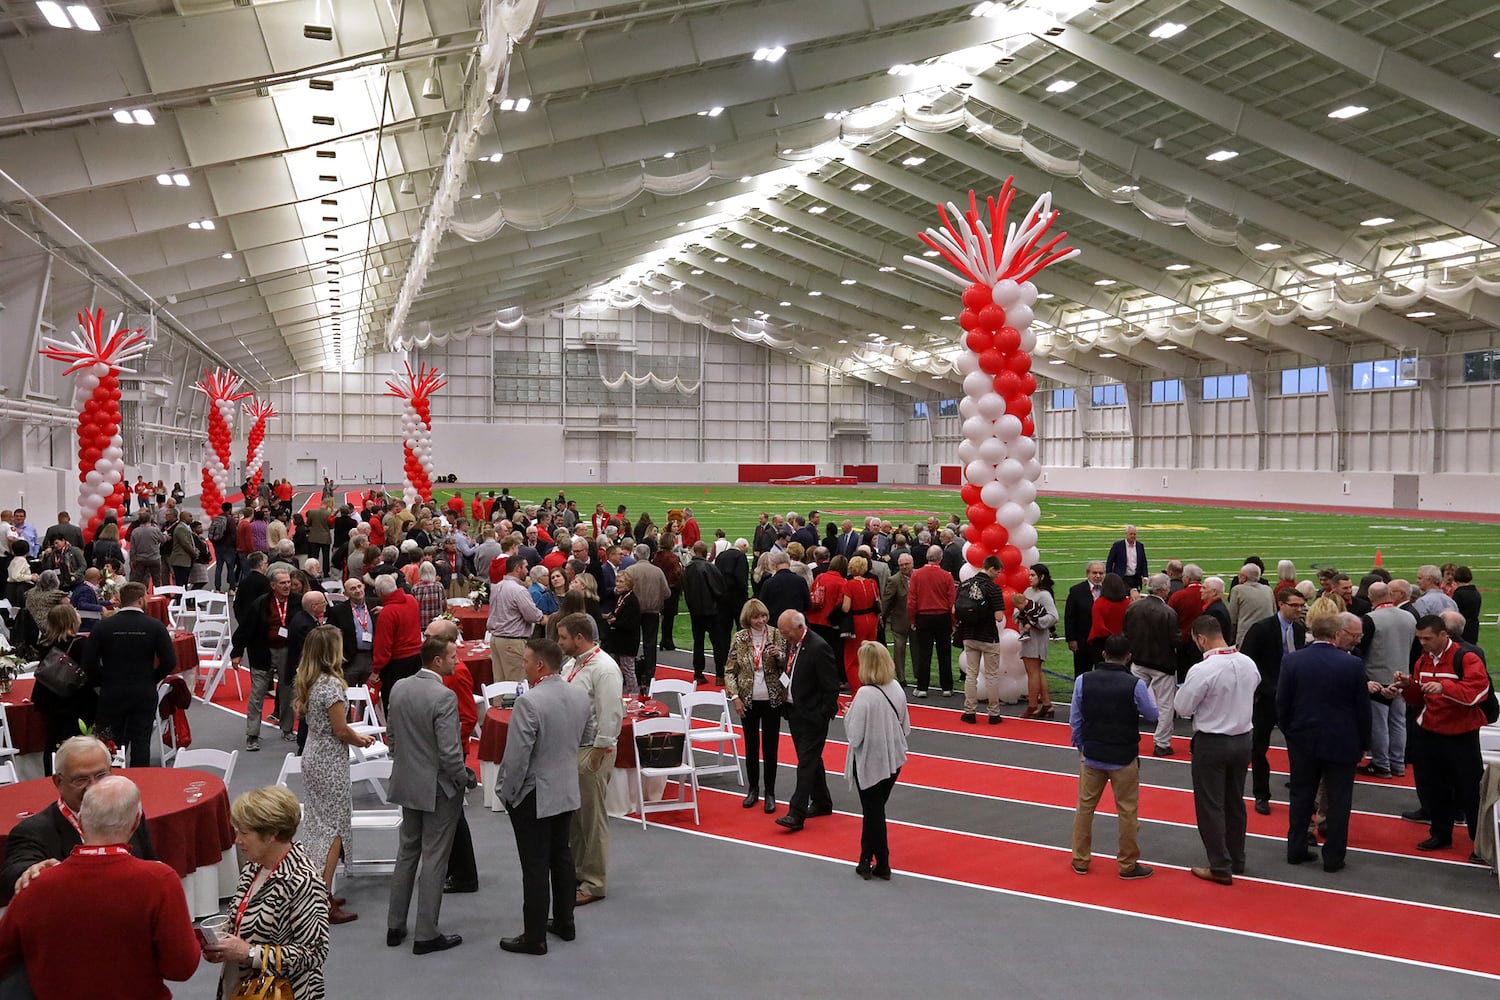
<point>512,637</point>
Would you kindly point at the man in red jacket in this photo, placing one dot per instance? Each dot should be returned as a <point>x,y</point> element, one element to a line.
<point>929,608</point>
<point>397,650</point>
<point>691,533</point>
<point>135,919</point>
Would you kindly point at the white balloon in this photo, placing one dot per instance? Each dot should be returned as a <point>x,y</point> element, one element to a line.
<point>996,495</point>
<point>100,369</point>
<point>1019,316</point>
<point>113,453</point>
<point>94,477</point>
<point>1028,341</point>
<point>1006,294</point>
<point>966,363</point>
<point>1008,427</point>
<point>979,472</point>
<point>87,383</point>
<point>967,408</point>
<point>1028,293</point>
<point>977,383</point>
<point>1024,491</point>
<point>967,451</point>
<point>1010,472</point>
<point>991,405</point>
<point>112,477</point>
<point>1010,515</point>
<point>1023,448</point>
<point>1033,469</point>
<point>1023,536</point>
<point>1033,513</point>
<point>976,429</point>
<point>1031,556</point>
<point>992,450</point>
<point>967,570</point>
<point>1010,642</point>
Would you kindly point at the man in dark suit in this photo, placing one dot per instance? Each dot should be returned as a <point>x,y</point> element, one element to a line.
<point>44,839</point>
<point>1324,706</point>
<point>735,566</point>
<point>807,531</point>
<point>1078,615</point>
<point>1267,642</point>
<point>784,590</point>
<point>813,696</point>
<point>253,584</point>
<point>127,655</point>
<point>356,620</point>
<point>849,540</point>
<point>263,633</point>
<point>428,781</point>
<point>539,786</point>
<point>1127,559</point>
<point>303,620</point>
<point>704,587</point>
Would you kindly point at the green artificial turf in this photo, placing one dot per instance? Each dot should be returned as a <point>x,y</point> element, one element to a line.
<point>1074,530</point>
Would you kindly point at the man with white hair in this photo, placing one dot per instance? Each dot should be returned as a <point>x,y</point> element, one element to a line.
<point>929,607</point>
<point>1213,604</point>
<point>1127,559</point>
<point>1432,600</point>
<point>135,924</point>
<point>651,590</point>
<point>812,686</point>
<point>1389,634</point>
<point>1250,601</point>
<point>783,590</point>
<point>397,650</point>
<point>1152,629</point>
<point>263,632</point>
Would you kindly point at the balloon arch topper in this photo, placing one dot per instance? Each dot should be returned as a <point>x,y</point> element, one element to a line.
<point>98,359</point>
<point>995,264</point>
<point>415,391</point>
<point>259,410</point>
<point>219,386</point>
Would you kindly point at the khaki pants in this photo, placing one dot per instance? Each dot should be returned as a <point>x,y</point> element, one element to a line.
<point>506,658</point>
<point>983,656</point>
<point>1126,786</point>
<point>590,834</point>
<point>898,654</point>
<point>1163,687</point>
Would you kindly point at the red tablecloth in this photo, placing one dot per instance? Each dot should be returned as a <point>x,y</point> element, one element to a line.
<point>497,728</point>
<point>187,835</point>
<point>471,621</point>
<point>186,648</point>
<point>28,730</point>
<point>476,656</point>
<point>157,607</point>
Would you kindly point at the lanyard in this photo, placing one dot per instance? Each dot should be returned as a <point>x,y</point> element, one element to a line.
<point>361,616</point>
<point>99,852</point>
<point>68,815</point>
<point>260,879</point>
<point>280,609</point>
<point>1219,652</point>
<point>579,664</point>
<point>756,649</point>
<point>791,659</point>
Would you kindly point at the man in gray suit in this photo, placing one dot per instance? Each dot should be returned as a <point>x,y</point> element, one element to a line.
<point>428,780</point>
<point>539,786</point>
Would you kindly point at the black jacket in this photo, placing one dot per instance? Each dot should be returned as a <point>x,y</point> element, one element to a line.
<point>252,634</point>
<point>624,636</point>
<point>252,587</point>
<point>784,591</point>
<point>815,682</point>
<point>703,586</point>
<point>1078,613</point>
<point>127,655</point>
<point>1262,643</point>
<point>1323,703</point>
<point>342,615</point>
<point>1468,600</point>
<point>298,624</point>
<point>48,835</point>
<point>735,568</point>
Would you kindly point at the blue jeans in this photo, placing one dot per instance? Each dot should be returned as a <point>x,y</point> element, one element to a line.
<point>1388,735</point>
<point>226,566</point>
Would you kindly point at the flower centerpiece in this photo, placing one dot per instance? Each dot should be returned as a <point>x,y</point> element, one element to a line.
<point>480,595</point>
<point>11,664</point>
<point>109,587</point>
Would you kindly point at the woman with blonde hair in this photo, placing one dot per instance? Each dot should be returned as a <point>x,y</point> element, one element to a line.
<point>752,682</point>
<point>876,726</point>
<point>322,700</point>
<point>862,602</point>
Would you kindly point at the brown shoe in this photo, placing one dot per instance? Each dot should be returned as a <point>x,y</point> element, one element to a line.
<point>338,915</point>
<point>1208,875</point>
<point>584,899</point>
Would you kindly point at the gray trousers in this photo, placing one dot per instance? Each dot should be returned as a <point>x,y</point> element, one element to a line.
<point>1219,767</point>
<point>260,686</point>
<point>1163,687</point>
<point>426,837</point>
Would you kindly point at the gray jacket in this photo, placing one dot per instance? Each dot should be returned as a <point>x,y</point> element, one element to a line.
<point>547,726</point>
<point>426,754</point>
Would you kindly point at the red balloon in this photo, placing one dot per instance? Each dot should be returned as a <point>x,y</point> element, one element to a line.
<point>970,494</point>
<point>992,317</point>
<point>1010,558</point>
<point>1018,579</point>
<point>977,296</point>
<point>1008,339</point>
<point>995,537</point>
<point>991,362</point>
<point>981,515</point>
<point>969,320</point>
<point>1028,383</point>
<point>1028,427</point>
<point>1007,383</point>
<point>1018,405</point>
<point>976,555</point>
<point>978,341</point>
<point>971,533</point>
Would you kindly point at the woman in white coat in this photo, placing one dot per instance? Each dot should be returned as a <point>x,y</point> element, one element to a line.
<point>876,725</point>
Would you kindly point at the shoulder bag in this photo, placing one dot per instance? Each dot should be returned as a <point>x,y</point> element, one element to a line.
<point>265,984</point>
<point>60,673</point>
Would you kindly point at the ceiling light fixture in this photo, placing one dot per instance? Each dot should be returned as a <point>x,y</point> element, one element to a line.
<point>1319,328</point>
<point>668,155</point>
<point>226,256</point>
<point>1109,354</point>
<point>1168,29</point>
<point>984,8</point>
<point>1421,314</point>
<point>861,186</point>
<point>83,17</point>
<point>1045,295</point>
<point>887,269</point>
<point>432,88</point>
<point>817,210</point>
<point>712,112</point>
<point>1379,220</point>
<point>56,17</point>
<point>946,319</point>
<point>1166,347</point>
<point>318,32</point>
<point>1348,111</point>
<point>929,253</point>
<point>696,271</point>
<point>721,260</point>
<point>140,116</point>
<point>1179,267</point>
<point>1060,86</point>
<point>770,55</point>
<point>318,84</point>
<point>1057,361</point>
<point>901,69</point>
<point>406,186</point>
<point>848,281</point>
<point>202,224</point>
<point>908,326</point>
<point>1267,247</point>
<point>814,293</point>
<point>784,303</point>
<point>914,161</point>
<point>1221,155</point>
<point>1105,282</point>
<point>747,245</point>
<point>1235,340</point>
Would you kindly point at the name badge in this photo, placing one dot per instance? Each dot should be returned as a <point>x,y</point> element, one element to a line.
<point>786,681</point>
<point>365,637</point>
<point>281,632</point>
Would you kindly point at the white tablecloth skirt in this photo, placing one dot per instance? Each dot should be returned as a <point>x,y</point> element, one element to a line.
<point>207,886</point>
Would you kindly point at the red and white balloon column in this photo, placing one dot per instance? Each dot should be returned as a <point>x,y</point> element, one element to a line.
<point>415,391</point>
<point>219,386</point>
<point>995,265</point>
<point>258,410</point>
<point>98,360</point>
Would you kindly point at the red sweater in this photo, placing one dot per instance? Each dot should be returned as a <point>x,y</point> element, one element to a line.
<point>1109,618</point>
<point>690,533</point>
<point>461,683</point>
<point>129,916</point>
<point>398,630</point>
<point>1188,603</point>
<point>931,592</point>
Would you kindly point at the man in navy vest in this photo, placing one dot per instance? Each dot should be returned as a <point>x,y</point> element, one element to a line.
<point>1108,706</point>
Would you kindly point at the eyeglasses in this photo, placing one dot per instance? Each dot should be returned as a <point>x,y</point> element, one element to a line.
<point>85,780</point>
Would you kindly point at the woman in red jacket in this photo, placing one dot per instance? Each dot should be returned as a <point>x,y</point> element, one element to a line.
<point>1109,614</point>
<point>862,601</point>
<point>827,593</point>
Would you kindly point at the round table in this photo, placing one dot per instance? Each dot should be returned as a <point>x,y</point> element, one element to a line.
<point>475,655</point>
<point>186,648</point>
<point>191,836</point>
<point>28,730</point>
<point>471,621</point>
<point>158,608</point>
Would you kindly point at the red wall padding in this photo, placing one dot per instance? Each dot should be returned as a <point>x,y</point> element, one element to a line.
<point>951,475</point>
<point>864,473</point>
<point>766,473</point>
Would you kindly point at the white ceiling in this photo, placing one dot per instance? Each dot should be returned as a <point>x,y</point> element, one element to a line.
<point>616,183</point>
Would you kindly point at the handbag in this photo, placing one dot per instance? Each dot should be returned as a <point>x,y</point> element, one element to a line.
<point>61,674</point>
<point>841,621</point>
<point>659,750</point>
<point>265,984</point>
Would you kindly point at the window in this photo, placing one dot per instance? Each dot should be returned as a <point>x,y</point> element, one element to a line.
<point>1380,375</point>
<point>1304,381</point>
<point>1166,390</point>
<point>1482,366</point>
<point>919,411</point>
<point>1062,399</point>
<point>947,407</point>
<point>1226,387</point>
<point>1112,394</point>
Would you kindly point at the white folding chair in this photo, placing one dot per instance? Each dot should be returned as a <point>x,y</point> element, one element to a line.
<point>490,692</point>
<point>684,772</point>
<point>209,760</point>
<point>212,666</point>
<point>369,820</point>
<point>460,602</point>
<point>364,718</point>
<point>165,732</point>
<point>333,586</point>
<point>661,686</point>
<point>175,604</point>
<point>290,766</point>
<point>208,606</point>
<point>8,773</point>
<point>717,736</point>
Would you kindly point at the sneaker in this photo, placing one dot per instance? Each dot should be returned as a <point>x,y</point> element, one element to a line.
<point>252,744</point>
<point>289,737</point>
<point>920,693</point>
<point>947,694</point>
<point>1137,870</point>
<point>274,720</point>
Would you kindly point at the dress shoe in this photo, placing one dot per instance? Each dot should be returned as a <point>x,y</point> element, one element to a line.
<point>822,811</point>
<point>437,944</point>
<point>1300,859</point>
<point>1333,866</point>
<point>394,937</point>
<point>791,822</point>
<point>450,886</point>
<point>699,680</point>
<point>884,874</point>
<point>770,804</point>
<point>968,717</point>
<point>1209,875</point>
<point>1373,771</point>
<point>863,870</point>
<point>752,798</point>
<point>338,915</point>
<point>565,931</point>
<point>521,946</point>
<point>948,694</point>
<point>337,900</point>
<point>1238,869</point>
<point>1435,844</point>
<point>1475,859</point>
<point>584,899</point>
<point>996,719</point>
<point>1416,816</point>
<point>1263,806</point>
<point>1137,870</point>
<point>1163,752</point>
<point>1080,868</point>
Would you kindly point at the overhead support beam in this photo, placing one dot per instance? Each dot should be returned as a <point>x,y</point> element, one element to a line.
<point>1321,154</point>
<point>1292,338</point>
<point>1121,371</point>
<point>1156,362</point>
<point>1236,356</point>
<point>1398,331</point>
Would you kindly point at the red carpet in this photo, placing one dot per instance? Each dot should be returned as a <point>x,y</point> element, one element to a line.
<point>1409,932</point>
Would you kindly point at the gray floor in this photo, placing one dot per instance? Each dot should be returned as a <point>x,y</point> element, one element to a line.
<point>692,914</point>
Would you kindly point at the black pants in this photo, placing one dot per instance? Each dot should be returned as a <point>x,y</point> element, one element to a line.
<point>1262,721</point>
<point>762,726</point>
<point>835,641</point>
<point>1448,777</point>
<point>874,848</point>
<point>1219,764</point>
<point>180,575</point>
<point>546,864</point>
<point>319,551</point>
<point>811,794</point>
<point>668,618</point>
<point>645,664</point>
<point>1083,660</point>
<point>926,632</point>
<point>461,867</point>
<point>395,670</point>
<point>716,629</point>
<point>131,724</point>
<point>1337,778</point>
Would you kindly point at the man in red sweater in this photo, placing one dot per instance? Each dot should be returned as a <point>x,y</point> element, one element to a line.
<point>691,533</point>
<point>135,919</point>
<point>1188,603</point>
<point>396,652</point>
<point>929,608</point>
